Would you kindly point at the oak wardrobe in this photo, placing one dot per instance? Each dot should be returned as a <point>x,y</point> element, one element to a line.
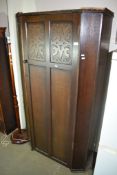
<point>65,69</point>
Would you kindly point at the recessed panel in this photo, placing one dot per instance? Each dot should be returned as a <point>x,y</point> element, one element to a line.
<point>61,42</point>
<point>36,41</point>
<point>60,90</point>
<point>38,96</point>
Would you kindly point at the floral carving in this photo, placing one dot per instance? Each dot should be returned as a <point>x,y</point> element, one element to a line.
<point>36,41</point>
<point>61,43</point>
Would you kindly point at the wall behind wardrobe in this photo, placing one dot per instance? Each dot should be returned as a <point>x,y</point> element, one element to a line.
<point>14,7</point>
<point>4,15</point>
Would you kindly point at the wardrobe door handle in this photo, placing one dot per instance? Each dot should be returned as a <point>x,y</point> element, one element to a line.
<point>25,61</point>
<point>83,57</point>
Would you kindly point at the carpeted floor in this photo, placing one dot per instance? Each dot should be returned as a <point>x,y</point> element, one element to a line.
<point>20,160</point>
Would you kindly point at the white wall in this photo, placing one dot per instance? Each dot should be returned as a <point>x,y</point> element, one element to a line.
<point>110,123</point>
<point>106,163</point>
<point>14,7</point>
<point>4,15</point>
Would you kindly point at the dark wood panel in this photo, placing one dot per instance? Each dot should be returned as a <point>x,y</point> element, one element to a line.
<point>89,42</point>
<point>38,96</point>
<point>101,83</point>
<point>60,92</point>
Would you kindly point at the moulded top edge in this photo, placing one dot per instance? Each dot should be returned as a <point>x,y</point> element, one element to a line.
<point>82,10</point>
<point>98,10</point>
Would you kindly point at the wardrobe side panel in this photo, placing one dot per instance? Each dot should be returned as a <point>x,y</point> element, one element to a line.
<point>89,47</point>
<point>102,82</point>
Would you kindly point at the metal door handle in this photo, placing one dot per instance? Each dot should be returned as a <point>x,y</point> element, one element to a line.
<point>83,57</point>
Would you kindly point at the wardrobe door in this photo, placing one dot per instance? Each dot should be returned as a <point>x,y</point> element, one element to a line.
<point>63,73</point>
<point>51,74</point>
<point>37,84</point>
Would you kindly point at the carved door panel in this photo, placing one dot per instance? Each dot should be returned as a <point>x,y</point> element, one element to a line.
<point>63,73</point>
<point>36,41</point>
<point>61,56</point>
<point>52,61</point>
<point>37,84</point>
